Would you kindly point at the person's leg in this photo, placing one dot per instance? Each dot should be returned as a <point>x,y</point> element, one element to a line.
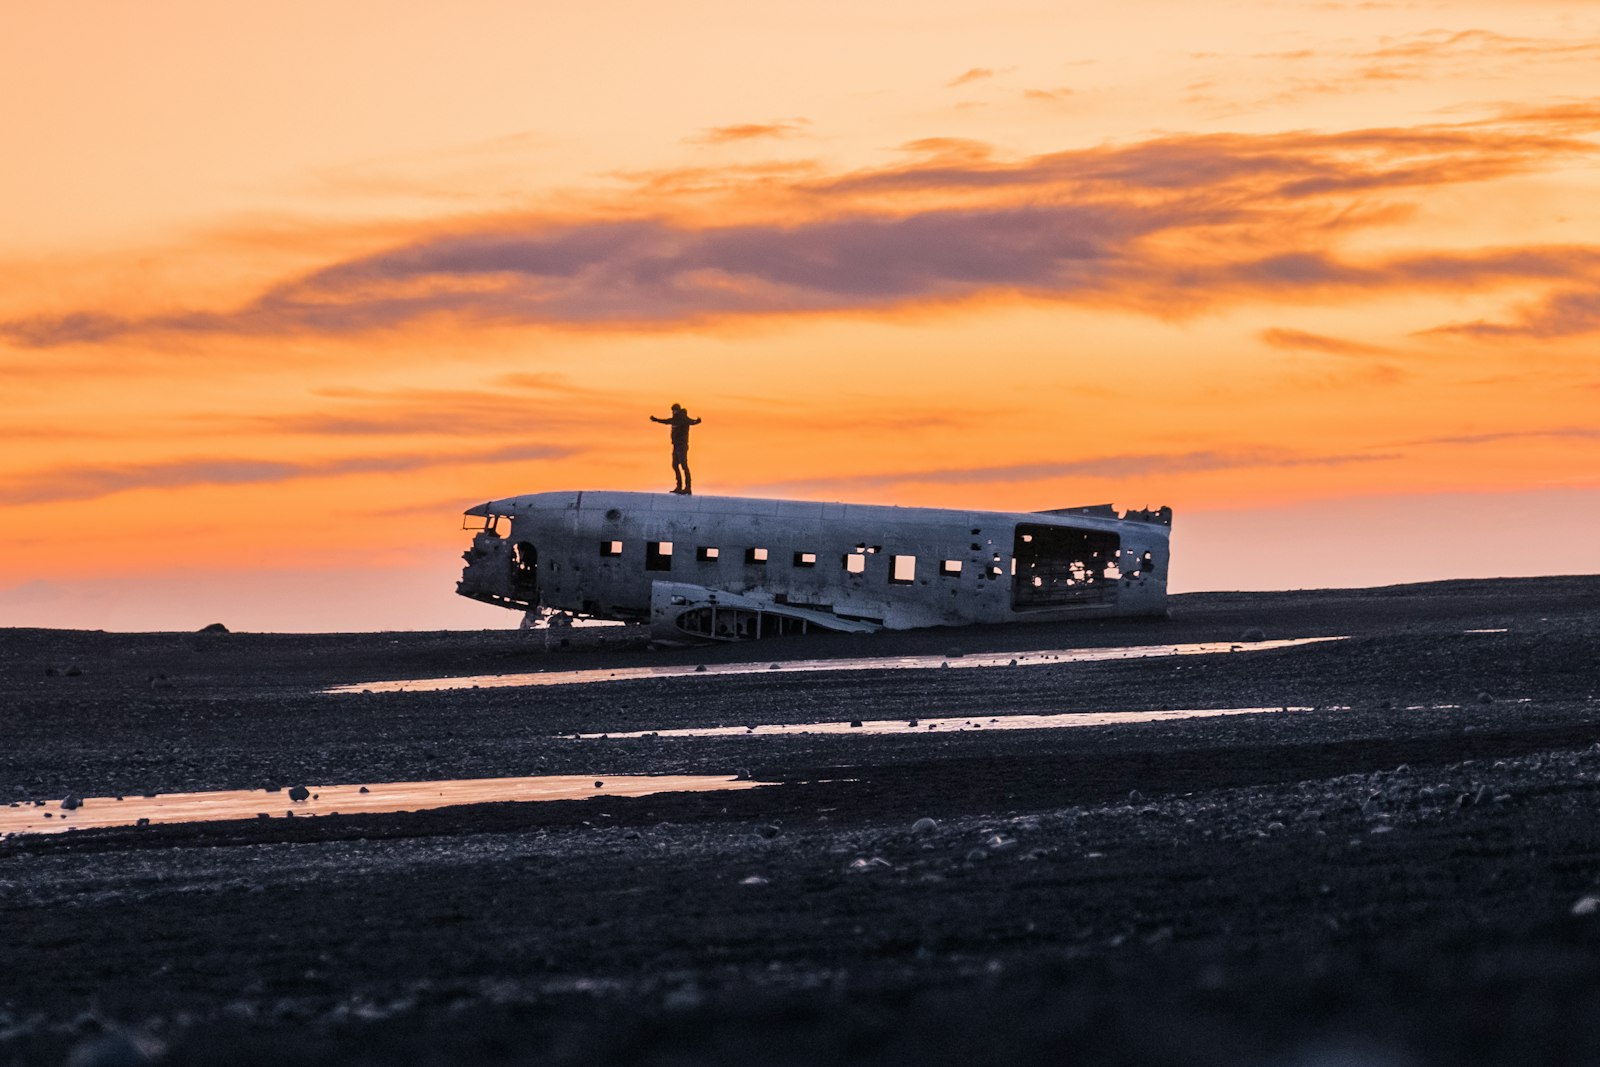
<point>677,471</point>
<point>688,479</point>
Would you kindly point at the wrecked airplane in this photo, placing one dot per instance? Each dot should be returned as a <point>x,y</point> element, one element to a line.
<point>705,569</point>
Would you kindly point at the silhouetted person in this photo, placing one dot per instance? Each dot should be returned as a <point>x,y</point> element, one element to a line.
<point>680,423</point>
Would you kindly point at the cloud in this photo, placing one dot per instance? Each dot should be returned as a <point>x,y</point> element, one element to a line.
<point>1047,96</point>
<point>1167,226</point>
<point>1299,340</point>
<point>975,74</point>
<point>749,131</point>
<point>90,483</point>
<point>1119,467</point>
<point>1565,433</point>
<point>1564,314</point>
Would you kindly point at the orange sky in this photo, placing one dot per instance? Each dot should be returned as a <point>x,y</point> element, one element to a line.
<point>283,289</point>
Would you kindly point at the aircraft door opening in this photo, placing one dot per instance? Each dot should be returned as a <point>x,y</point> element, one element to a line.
<point>1059,566</point>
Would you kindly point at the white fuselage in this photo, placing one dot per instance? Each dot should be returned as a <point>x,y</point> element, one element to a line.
<point>608,555</point>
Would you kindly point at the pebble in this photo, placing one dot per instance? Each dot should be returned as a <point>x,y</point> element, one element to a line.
<point>364,789</point>
<point>599,785</point>
<point>855,723</point>
<point>754,879</point>
<point>924,825</point>
<point>977,855</point>
<point>1586,906</point>
<point>298,793</point>
<point>72,803</point>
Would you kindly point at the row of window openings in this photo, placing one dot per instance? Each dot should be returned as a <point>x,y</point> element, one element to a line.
<point>902,569</point>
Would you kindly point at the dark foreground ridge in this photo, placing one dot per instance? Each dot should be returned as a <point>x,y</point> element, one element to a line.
<point>1408,874</point>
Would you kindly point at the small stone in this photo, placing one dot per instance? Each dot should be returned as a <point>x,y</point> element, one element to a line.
<point>754,879</point>
<point>262,815</point>
<point>1013,663</point>
<point>1134,796</point>
<point>855,724</point>
<point>298,793</point>
<point>364,789</point>
<point>1485,698</point>
<point>924,825</point>
<point>214,628</point>
<point>700,669</point>
<point>1586,906</point>
<point>1274,826</point>
<point>911,722</point>
<point>997,843</point>
<point>599,784</point>
<point>775,667</point>
<point>72,803</point>
<point>142,822</point>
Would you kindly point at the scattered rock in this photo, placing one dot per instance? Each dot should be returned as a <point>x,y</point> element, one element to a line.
<point>1134,796</point>
<point>72,803</point>
<point>142,822</point>
<point>262,815</point>
<point>911,722</point>
<point>997,843</point>
<point>364,789</point>
<point>924,825</point>
<point>754,879</point>
<point>1485,698</point>
<point>214,628</point>
<point>111,1050</point>
<point>1255,633</point>
<point>1586,906</point>
<point>855,724</point>
<point>599,785</point>
<point>862,865</point>
<point>700,669</point>
<point>775,667</point>
<point>298,793</point>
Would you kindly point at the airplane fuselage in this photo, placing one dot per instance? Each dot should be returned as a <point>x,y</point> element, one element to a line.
<point>658,556</point>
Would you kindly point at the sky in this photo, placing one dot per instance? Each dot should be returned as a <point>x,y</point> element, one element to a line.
<point>286,287</point>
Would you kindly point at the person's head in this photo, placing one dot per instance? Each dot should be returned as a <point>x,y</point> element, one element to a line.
<point>677,407</point>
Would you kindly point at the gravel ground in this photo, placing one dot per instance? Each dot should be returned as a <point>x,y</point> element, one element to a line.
<point>1409,873</point>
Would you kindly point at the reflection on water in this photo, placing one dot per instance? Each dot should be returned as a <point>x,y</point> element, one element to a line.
<point>955,724</point>
<point>30,818</point>
<point>874,663</point>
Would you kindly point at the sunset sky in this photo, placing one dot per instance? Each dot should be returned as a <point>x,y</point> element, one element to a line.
<point>285,287</point>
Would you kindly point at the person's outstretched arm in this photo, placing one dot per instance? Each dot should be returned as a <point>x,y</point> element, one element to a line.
<point>694,422</point>
<point>654,419</point>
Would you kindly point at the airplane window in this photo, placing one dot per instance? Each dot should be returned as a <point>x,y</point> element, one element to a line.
<point>855,562</point>
<point>755,555</point>
<point>658,556</point>
<point>707,554</point>
<point>805,559</point>
<point>902,570</point>
<point>611,548</point>
<point>950,568</point>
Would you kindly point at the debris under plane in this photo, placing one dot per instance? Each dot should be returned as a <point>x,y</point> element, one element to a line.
<point>740,568</point>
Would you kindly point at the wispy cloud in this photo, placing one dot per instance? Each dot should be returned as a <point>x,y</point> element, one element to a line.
<point>1300,340</point>
<point>1563,314</point>
<point>749,131</point>
<point>90,483</point>
<point>1561,433</point>
<point>1167,226</point>
<point>1119,467</point>
<point>974,74</point>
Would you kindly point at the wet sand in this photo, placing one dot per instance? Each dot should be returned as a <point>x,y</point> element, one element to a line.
<point>1406,872</point>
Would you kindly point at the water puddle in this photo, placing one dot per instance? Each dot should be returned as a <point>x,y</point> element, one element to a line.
<point>947,725</point>
<point>1053,657</point>
<point>382,797</point>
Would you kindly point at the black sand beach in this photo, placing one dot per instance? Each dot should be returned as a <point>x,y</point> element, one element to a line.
<point>1407,873</point>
